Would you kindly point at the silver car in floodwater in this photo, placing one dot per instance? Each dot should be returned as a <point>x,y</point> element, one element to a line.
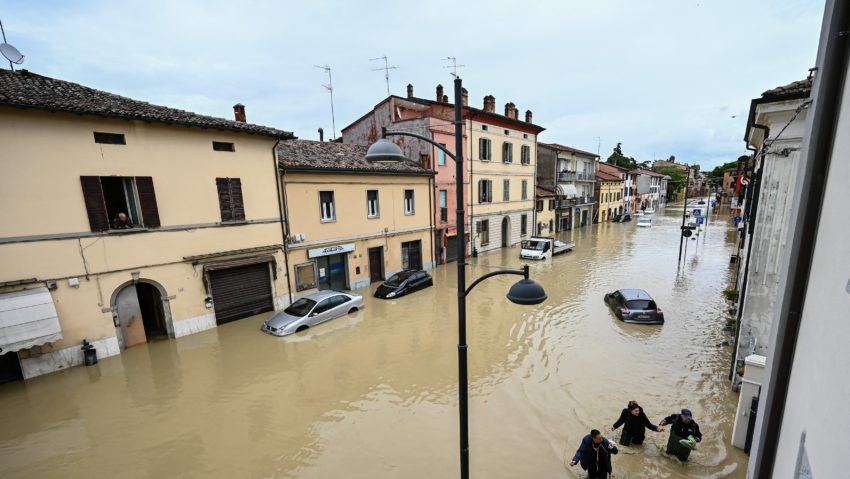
<point>311,310</point>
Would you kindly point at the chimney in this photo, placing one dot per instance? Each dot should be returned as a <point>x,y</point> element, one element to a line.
<point>508,111</point>
<point>490,104</point>
<point>528,116</point>
<point>321,134</point>
<point>464,94</point>
<point>439,93</point>
<point>445,98</point>
<point>409,90</point>
<point>239,112</point>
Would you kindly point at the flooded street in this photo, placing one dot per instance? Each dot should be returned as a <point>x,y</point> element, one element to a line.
<point>374,394</point>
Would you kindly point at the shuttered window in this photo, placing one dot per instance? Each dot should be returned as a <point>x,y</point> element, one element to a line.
<point>506,190</point>
<point>114,202</point>
<point>485,191</point>
<point>484,231</point>
<point>525,154</point>
<point>507,152</point>
<point>525,189</point>
<point>484,149</point>
<point>230,199</point>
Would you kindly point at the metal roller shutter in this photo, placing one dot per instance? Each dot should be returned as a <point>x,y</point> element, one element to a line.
<point>240,292</point>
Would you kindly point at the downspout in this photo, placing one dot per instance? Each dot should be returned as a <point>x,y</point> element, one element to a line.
<point>284,220</point>
<point>431,207</point>
<point>826,93</point>
<point>752,193</point>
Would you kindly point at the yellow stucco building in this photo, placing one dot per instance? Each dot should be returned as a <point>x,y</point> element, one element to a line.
<point>125,222</point>
<point>352,222</point>
<point>610,188</point>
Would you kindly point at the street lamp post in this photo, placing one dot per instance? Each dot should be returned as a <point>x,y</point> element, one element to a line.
<point>524,292</point>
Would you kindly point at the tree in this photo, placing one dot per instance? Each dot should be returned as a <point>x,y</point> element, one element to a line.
<point>677,180</point>
<point>621,160</point>
<point>718,171</point>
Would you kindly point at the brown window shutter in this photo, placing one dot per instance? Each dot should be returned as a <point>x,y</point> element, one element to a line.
<point>95,205</point>
<point>236,199</point>
<point>224,203</point>
<point>147,201</point>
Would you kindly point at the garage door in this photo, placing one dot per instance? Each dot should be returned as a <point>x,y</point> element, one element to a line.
<point>241,291</point>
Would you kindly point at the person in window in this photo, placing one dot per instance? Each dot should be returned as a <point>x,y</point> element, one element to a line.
<point>635,423</point>
<point>684,434</point>
<point>594,455</point>
<point>121,222</point>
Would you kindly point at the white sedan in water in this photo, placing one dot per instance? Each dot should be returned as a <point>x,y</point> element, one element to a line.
<point>311,310</point>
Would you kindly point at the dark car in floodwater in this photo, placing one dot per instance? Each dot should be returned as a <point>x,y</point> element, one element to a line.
<point>622,218</point>
<point>634,306</point>
<point>402,283</point>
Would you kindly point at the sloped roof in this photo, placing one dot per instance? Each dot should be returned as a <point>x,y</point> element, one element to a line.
<point>605,176</point>
<point>568,149</point>
<point>793,89</point>
<point>331,156</point>
<point>25,89</point>
<point>542,192</point>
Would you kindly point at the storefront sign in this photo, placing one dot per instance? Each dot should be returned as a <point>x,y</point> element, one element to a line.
<point>329,250</point>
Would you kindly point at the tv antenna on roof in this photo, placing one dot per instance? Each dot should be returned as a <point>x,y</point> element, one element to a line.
<point>386,70</point>
<point>11,53</point>
<point>330,88</point>
<point>454,66</point>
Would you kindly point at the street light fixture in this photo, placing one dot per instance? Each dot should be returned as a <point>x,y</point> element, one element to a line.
<point>524,292</point>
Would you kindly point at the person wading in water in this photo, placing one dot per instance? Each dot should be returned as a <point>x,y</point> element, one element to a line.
<point>684,434</point>
<point>635,423</point>
<point>594,454</point>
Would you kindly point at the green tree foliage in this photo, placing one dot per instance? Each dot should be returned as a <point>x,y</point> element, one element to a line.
<point>718,172</point>
<point>676,181</point>
<point>621,160</point>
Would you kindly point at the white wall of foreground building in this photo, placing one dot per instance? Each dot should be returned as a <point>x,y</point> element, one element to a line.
<point>802,416</point>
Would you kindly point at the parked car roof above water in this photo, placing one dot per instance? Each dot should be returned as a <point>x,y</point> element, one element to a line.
<point>630,294</point>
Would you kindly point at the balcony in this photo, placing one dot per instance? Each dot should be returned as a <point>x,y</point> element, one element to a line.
<point>585,200</point>
<point>576,176</point>
<point>564,204</point>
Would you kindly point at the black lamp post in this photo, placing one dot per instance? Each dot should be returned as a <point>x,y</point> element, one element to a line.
<point>525,291</point>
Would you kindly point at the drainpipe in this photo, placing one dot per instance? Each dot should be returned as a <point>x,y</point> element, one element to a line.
<point>826,93</point>
<point>431,207</point>
<point>284,220</point>
<point>752,198</point>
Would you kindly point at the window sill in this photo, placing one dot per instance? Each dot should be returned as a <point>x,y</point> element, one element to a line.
<point>233,222</point>
<point>332,220</point>
<point>409,214</point>
<point>373,217</point>
<point>126,231</point>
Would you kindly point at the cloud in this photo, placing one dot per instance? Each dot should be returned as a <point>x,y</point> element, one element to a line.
<point>661,77</point>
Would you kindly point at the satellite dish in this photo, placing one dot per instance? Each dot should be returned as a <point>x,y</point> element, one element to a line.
<point>11,53</point>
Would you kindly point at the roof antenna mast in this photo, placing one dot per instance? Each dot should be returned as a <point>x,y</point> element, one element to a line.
<point>454,66</point>
<point>330,88</point>
<point>386,68</point>
<point>11,53</point>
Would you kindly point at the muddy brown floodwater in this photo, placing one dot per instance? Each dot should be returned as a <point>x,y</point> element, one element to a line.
<point>374,394</point>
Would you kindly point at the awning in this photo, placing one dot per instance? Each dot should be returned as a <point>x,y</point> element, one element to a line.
<point>567,190</point>
<point>27,318</point>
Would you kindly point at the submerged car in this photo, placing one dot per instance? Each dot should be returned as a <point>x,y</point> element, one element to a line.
<point>649,211</point>
<point>311,310</point>
<point>634,306</point>
<point>624,218</point>
<point>404,282</point>
<point>644,222</point>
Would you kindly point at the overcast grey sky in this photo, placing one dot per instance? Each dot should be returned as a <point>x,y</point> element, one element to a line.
<point>662,77</point>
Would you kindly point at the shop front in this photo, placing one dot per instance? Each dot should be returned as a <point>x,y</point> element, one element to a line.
<point>331,266</point>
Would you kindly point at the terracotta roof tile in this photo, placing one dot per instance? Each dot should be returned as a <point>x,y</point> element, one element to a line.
<point>25,89</point>
<point>306,155</point>
<point>607,176</point>
<point>568,149</point>
<point>542,192</point>
<point>801,87</point>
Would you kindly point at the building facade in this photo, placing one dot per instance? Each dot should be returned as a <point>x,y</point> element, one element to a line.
<point>571,173</point>
<point>353,222</point>
<point>168,224</point>
<point>544,221</point>
<point>610,194</point>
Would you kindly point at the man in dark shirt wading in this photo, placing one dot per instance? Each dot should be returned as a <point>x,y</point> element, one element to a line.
<point>594,454</point>
<point>684,434</point>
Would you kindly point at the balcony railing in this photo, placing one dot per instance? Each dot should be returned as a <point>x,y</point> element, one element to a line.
<point>576,176</point>
<point>561,204</point>
<point>585,200</point>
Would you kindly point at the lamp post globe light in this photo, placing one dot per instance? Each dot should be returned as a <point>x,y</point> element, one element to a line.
<point>525,292</point>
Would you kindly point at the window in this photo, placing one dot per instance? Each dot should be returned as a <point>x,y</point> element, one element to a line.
<point>109,138</point>
<point>305,276</point>
<point>523,225</point>
<point>484,127</point>
<point>551,205</point>
<point>230,199</point>
<point>507,132</point>
<point>484,231</point>
<point>525,155</point>
<point>441,155</point>
<point>507,152</point>
<point>409,206</point>
<point>485,152</point>
<point>525,189</point>
<point>444,210</point>
<point>223,146</point>
<point>411,255</point>
<point>115,202</point>
<point>506,190</point>
<point>485,191</point>
<point>326,202</point>
<point>539,205</point>
<point>525,135</point>
<point>373,209</point>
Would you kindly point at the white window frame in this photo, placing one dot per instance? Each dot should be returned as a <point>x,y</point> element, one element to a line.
<point>485,149</point>
<point>525,155</point>
<point>507,152</point>
<point>410,203</point>
<point>376,211</point>
<point>329,215</point>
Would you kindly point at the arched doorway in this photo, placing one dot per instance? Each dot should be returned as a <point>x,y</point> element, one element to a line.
<point>506,232</point>
<point>140,313</point>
